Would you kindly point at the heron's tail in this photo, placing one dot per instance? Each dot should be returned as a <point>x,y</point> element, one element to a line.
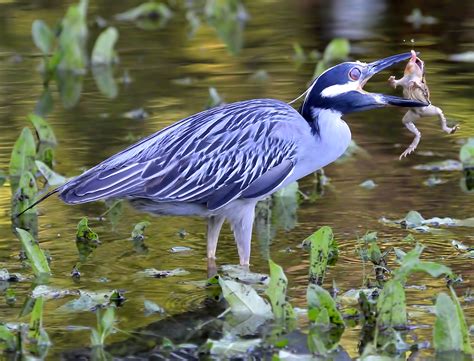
<point>39,201</point>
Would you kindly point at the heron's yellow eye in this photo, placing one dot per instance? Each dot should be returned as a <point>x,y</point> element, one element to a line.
<point>354,74</point>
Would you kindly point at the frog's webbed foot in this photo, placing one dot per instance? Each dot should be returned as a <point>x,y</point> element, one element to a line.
<point>452,130</point>
<point>393,82</point>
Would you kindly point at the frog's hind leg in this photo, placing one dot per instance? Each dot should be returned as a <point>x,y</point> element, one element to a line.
<point>409,120</point>
<point>432,111</point>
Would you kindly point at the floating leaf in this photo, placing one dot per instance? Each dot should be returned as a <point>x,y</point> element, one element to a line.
<point>337,49</point>
<point>151,11</point>
<point>450,330</point>
<point>391,305</point>
<point>47,292</point>
<point>23,154</point>
<point>138,233</point>
<point>230,347</point>
<point>105,326</point>
<point>466,154</point>
<point>53,178</point>
<point>276,292</point>
<point>104,79</point>
<point>324,250</point>
<point>34,253</point>
<point>322,305</point>
<point>89,300</point>
<point>43,37</point>
<point>244,300</point>
<point>244,275</point>
<point>86,239</point>
<point>151,308</point>
<point>444,165</point>
<point>368,184</point>
<point>24,195</point>
<point>179,249</point>
<point>104,52</point>
<point>152,272</point>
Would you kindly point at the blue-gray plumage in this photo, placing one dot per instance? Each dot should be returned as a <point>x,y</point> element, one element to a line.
<point>219,163</point>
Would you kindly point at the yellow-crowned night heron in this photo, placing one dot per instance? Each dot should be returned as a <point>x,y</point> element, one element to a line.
<point>219,163</point>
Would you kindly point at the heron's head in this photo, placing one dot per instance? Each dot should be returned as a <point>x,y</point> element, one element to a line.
<point>340,88</point>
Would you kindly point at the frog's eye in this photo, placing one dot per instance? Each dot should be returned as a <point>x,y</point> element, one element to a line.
<point>354,74</point>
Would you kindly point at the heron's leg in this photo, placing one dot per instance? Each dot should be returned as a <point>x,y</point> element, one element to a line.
<point>242,227</point>
<point>432,111</point>
<point>214,225</point>
<point>409,120</point>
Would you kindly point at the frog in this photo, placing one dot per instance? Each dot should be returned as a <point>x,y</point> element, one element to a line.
<point>415,87</point>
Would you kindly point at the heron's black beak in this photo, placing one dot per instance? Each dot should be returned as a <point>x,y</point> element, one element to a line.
<point>381,100</point>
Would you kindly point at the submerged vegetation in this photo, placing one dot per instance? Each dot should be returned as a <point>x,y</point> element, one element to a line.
<point>256,315</point>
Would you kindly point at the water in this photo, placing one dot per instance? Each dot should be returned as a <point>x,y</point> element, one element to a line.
<point>96,129</point>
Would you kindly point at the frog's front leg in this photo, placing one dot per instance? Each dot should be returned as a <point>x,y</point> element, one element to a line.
<point>431,111</point>
<point>394,82</point>
<point>409,120</point>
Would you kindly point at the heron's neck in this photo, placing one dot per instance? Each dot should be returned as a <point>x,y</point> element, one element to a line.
<point>313,116</point>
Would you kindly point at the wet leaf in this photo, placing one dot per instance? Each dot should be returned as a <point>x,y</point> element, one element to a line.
<point>138,233</point>
<point>43,37</point>
<point>450,330</point>
<point>322,308</point>
<point>104,52</point>
<point>54,179</point>
<point>86,239</point>
<point>24,194</point>
<point>152,272</point>
<point>48,292</point>
<point>337,49</point>
<point>136,114</point>
<point>276,292</point>
<point>368,184</point>
<point>244,300</point>
<point>37,336</point>
<point>104,79</point>
<point>105,326</point>
<point>444,165</point>
<point>70,87</point>
<point>244,275</point>
<point>8,337</point>
<point>6,276</point>
<point>34,253</point>
<point>150,10</point>
<point>89,300</point>
<point>152,308</point>
<point>391,305</point>
<point>114,211</point>
<point>324,251</point>
<point>3,178</point>
<point>45,103</point>
<point>466,154</point>
<point>23,154</point>
<point>180,249</point>
<point>230,347</point>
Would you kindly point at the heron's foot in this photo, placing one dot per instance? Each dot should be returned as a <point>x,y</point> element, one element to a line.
<point>407,151</point>
<point>392,81</point>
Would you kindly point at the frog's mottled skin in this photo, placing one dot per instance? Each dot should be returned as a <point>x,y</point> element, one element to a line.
<point>415,87</point>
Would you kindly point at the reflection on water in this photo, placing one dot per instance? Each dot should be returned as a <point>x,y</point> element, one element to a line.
<point>154,62</point>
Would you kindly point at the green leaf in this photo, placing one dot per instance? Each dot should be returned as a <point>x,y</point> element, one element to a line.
<point>323,250</point>
<point>34,253</point>
<point>450,330</point>
<point>151,308</point>
<point>284,206</point>
<point>43,37</point>
<point>244,300</point>
<point>391,305</point>
<point>70,87</point>
<point>104,79</point>
<point>146,10</point>
<point>8,337</point>
<point>23,154</point>
<point>24,194</point>
<point>114,211</point>
<point>276,292</point>
<point>337,49</point>
<point>45,103</point>
<point>3,178</point>
<point>43,129</point>
<point>322,307</point>
<point>104,52</point>
<point>53,178</point>
<point>105,326</point>
<point>139,230</point>
<point>466,154</point>
<point>86,239</point>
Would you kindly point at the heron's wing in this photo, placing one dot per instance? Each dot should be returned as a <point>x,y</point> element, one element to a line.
<point>243,149</point>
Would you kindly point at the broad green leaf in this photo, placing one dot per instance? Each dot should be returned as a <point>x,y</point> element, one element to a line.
<point>276,292</point>
<point>70,87</point>
<point>139,230</point>
<point>322,307</point>
<point>323,250</point>
<point>450,330</point>
<point>146,10</point>
<point>8,337</point>
<point>337,49</point>
<point>229,347</point>
<point>53,178</point>
<point>34,253</point>
<point>466,154</point>
<point>24,194</point>
<point>90,300</point>
<point>243,299</point>
<point>114,211</point>
<point>23,154</point>
<point>104,52</point>
<point>45,103</point>
<point>43,129</point>
<point>323,339</point>
<point>105,326</point>
<point>43,37</point>
<point>104,79</point>
<point>86,239</point>
<point>36,333</point>
<point>391,305</point>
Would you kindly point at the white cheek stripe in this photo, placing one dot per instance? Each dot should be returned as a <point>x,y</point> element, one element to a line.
<point>338,89</point>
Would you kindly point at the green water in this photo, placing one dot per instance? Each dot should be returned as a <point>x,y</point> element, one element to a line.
<point>96,129</point>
